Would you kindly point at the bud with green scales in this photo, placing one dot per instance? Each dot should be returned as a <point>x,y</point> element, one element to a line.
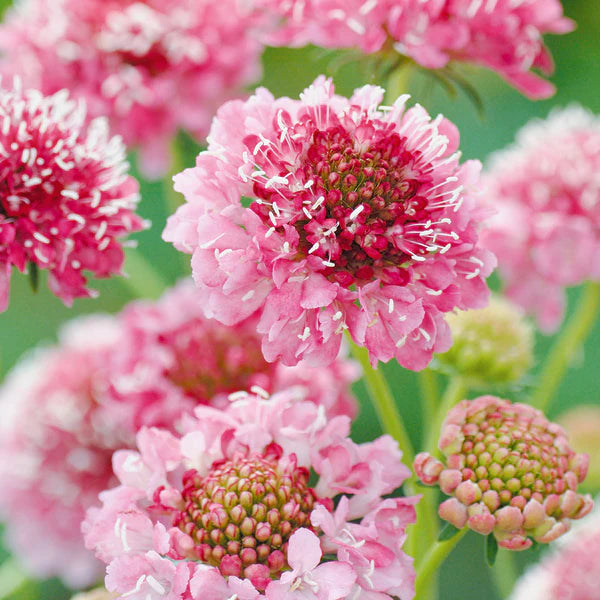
<point>510,472</point>
<point>492,345</point>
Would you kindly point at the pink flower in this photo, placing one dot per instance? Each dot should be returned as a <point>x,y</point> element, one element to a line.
<point>570,571</point>
<point>359,218</point>
<point>547,229</point>
<point>243,518</point>
<point>152,67</point>
<point>55,453</point>
<point>502,35</point>
<point>65,196</point>
<point>508,470</point>
<point>68,408</point>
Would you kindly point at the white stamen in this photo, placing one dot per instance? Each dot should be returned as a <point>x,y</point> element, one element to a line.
<point>391,305</point>
<point>155,585</point>
<point>305,334</point>
<point>357,212</point>
<point>211,242</point>
<point>314,248</point>
<point>256,389</point>
<point>338,315</point>
<point>40,237</point>
<point>237,396</point>
<point>247,295</point>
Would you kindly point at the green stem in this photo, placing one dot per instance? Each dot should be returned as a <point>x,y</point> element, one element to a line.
<point>397,83</point>
<point>430,393</point>
<point>566,345</point>
<point>455,392</point>
<point>141,279</point>
<point>385,406</point>
<point>504,572</point>
<point>179,161</point>
<point>12,578</point>
<point>433,559</point>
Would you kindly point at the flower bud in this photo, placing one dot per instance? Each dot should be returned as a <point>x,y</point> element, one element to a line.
<point>490,345</point>
<point>508,470</point>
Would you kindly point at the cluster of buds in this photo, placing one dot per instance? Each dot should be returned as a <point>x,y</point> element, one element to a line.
<point>242,513</point>
<point>510,472</point>
<point>491,345</point>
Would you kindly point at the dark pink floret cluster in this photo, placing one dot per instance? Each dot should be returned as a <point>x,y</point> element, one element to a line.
<point>151,67</point>
<point>65,196</point>
<point>326,214</point>
<point>503,35</point>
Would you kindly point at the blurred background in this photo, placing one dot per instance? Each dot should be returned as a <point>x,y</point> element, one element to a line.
<point>34,319</point>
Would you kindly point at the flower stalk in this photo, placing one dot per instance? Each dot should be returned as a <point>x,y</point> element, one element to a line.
<point>566,345</point>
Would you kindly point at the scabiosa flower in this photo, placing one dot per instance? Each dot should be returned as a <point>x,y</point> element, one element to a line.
<point>230,502</point>
<point>571,571</point>
<point>509,471</point>
<point>502,35</point>
<point>327,214</point>
<point>68,408</point>
<point>65,196</point>
<point>174,358</point>
<point>151,67</point>
<point>55,450</point>
<point>491,345</point>
<point>547,230</point>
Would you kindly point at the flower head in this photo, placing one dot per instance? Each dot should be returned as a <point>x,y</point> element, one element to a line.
<point>151,67</point>
<point>502,35</point>
<point>570,570</point>
<point>327,214</point>
<point>491,345</point>
<point>546,233</point>
<point>68,408</point>
<point>231,502</point>
<point>65,197</point>
<point>509,471</point>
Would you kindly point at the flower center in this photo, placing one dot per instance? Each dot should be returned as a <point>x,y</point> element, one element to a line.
<point>245,510</point>
<point>233,363</point>
<point>368,210</point>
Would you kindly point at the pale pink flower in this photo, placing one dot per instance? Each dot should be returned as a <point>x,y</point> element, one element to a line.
<point>176,358</point>
<point>65,196</point>
<point>571,571</point>
<point>243,519</point>
<point>68,408</point>
<point>152,67</point>
<point>509,471</point>
<point>327,214</point>
<point>503,35</point>
<point>546,191</point>
<point>55,451</point>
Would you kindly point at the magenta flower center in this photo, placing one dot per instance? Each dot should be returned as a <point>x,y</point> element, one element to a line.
<point>368,208</point>
<point>245,510</point>
<point>233,363</point>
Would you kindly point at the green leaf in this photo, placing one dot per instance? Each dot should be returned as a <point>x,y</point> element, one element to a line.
<point>34,276</point>
<point>535,546</point>
<point>491,549</point>
<point>447,532</point>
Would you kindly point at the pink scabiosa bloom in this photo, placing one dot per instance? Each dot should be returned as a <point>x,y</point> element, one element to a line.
<point>65,195</point>
<point>503,35</point>
<point>571,571</point>
<point>174,358</point>
<point>55,450</point>
<point>228,509</point>
<point>151,67</point>
<point>510,472</point>
<point>327,214</point>
<point>68,408</point>
<point>546,191</point>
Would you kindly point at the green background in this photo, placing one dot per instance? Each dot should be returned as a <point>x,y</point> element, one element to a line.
<point>34,318</point>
